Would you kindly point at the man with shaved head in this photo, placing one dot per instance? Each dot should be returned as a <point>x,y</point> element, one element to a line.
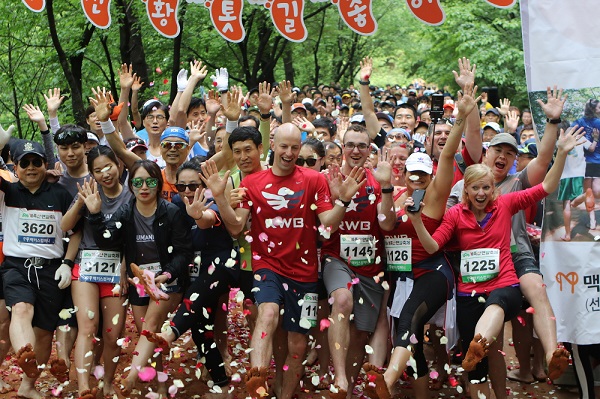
<point>287,204</point>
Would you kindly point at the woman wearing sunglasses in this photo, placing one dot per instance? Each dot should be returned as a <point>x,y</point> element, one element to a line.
<point>155,235</point>
<point>214,272</point>
<point>97,274</point>
<point>311,154</point>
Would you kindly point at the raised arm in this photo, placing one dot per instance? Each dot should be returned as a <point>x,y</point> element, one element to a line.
<point>135,110</point>
<point>383,175</point>
<point>197,74</point>
<point>537,168</point>
<point>287,97</point>
<point>36,115</point>
<point>265,104</point>
<point>53,102</point>
<point>566,142</point>
<point>472,128</point>
<point>126,79</point>
<point>332,218</point>
<point>368,109</point>
<point>430,245</point>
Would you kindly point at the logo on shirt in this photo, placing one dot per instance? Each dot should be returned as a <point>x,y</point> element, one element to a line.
<point>358,204</point>
<point>284,199</point>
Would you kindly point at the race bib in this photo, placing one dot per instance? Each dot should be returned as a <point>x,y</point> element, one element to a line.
<point>37,227</point>
<point>357,249</point>
<point>195,266</point>
<point>100,266</point>
<point>399,254</point>
<point>478,265</point>
<point>309,308</point>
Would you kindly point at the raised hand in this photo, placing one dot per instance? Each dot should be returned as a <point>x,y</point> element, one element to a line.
<point>137,85</point>
<point>573,137</point>
<point>53,101</point>
<point>265,98</point>
<point>285,92</point>
<point>210,176</point>
<point>554,106</point>
<point>511,121</point>
<point>34,113</point>
<point>504,106</point>
<point>126,76</point>
<point>466,99</point>
<point>101,101</point>
<point>5,135</point>
<point>199,204</point>
<point>236,196</point>
<point>197,70</point>
<point>303,124</point>
<point>90,195</point>
<point>352,183</point>
<point>221,79</point>
<point>466,73</point>
<point>197,131</point>
<point>366,68</point>
<point>383,174</point>
<point>234,104</point>
<point>213,102</point>
<point>182,79</point>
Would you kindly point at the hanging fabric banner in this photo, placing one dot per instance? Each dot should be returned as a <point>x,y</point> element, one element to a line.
<point>226,16</point>
<point>97,12</point>
<point>35,5</point>
<point>559,51</point>
<point>288,18</point>
<point>357,14</point>
<point>163,16</point>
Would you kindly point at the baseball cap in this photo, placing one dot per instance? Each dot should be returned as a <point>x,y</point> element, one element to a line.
<point>92,137</point>
<point>399,130</point>
<point>493,111</point>
<point>494,126</point>
<point>357,118</point>
<point>449,106</point>
<point>418,161</point>
<point>307,101</point>
<point>26,147</point>
<point>529,147</point>
<point>504,138</point>
<point>386,117</point>
<point>175,131</point>
<point>298,105</point>
<point>134,144</point>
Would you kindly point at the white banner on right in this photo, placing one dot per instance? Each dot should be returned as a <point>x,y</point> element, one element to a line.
<point>561,48</point>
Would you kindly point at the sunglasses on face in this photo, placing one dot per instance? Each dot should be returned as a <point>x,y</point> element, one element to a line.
<point>138,182</point>
<point>178,145</point>
<point>308,161</point>
<point>181,187</point>
<point>36,162</point>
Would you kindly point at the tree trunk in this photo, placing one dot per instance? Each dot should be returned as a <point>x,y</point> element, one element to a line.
<point>131,45</point>
<point>177,55</point>
<point>288,65</point>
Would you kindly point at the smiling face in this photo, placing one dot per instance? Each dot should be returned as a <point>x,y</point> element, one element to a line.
<point>105,172</point>
<point>189,176</point>
<point>286,147</point>
<point>440,136</point>
<point>500,158</point>
<point>356,148</point>
<point>333,155</point>
<point>398,156</point>
<point>247,156</point>
<point>307,153</point>
<point>171,153</point>
<point>405,119</point>
<point>72,155</point>
<point>480,193</point>
<point>31,176</point>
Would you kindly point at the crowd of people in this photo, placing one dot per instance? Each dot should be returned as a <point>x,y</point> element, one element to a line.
<point>350,215</point>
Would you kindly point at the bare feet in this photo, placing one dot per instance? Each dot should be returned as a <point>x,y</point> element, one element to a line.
<point>336,392</point>
<point>558,363</point>
<point>89,394</point>
<point>375,386</point>
<point>59,369</point>
<point>521,376</point>
<point>28,391</point>
<point>26,360</point>
<point>566,237</point>
<point>124,386</point>
<point>256,382</point>
<point>156,339</point>
<point>478,349</point>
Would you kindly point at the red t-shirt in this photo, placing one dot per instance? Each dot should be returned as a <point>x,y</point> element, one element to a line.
<point>284,223</point>
<point>360,219</point>
<point>460,223</point>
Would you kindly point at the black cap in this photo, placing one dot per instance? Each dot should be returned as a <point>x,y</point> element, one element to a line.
<point>25,147</point>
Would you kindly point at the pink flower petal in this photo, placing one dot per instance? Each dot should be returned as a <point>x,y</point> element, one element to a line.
<point>530,310</point>
<point>325,323</point>
<point>162,377</point>
<point>98,372</point>
<point>147,374</point>
<point>263,237</point>
<point>172,391</point>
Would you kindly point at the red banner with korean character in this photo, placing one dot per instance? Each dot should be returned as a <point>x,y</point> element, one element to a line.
<point>97,12</point>
<point>226,16</point>
<point>163,16</point>
<point>288,18</point>
<point>357,14</point>
<point>35,5</point>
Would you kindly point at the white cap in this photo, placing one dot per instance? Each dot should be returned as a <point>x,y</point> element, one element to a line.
<point>419,161</point>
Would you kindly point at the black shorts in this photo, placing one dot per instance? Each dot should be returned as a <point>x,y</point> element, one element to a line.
<point>68,304</point>
<point>592,169</point>
<point>35,286</point>
<point>525,265</point>
<point>246,283</point>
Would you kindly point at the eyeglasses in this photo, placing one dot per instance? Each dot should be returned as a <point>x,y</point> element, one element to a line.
<point>361,146</point>
<point>309,161</point>
<point>178,145</point>
<point>138,182</point>
<point>158,118</point>
<point>36,162</point>
<point>394,137</point>
<point>181,187</point>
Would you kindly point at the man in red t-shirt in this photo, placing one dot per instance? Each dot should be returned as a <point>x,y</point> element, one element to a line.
<point>352,258</point>
<point>284,203</point>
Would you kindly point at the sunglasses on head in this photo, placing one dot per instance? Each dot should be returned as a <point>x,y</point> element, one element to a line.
<point>36,162</point>
<point>138,182</point>
<point>70,136</point>
<point>181,187</point>
<point>178,145</point>
<point>308,161</point>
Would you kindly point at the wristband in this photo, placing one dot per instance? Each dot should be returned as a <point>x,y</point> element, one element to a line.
<point>265,116</point>
<point>230,126</point>
<point>107,127</point>
<point>364,82</point>
<point>45,132</point>
<point>68,262</point>
<point>388,190</point>
<point>341,203</point>
<point>553,121</point>
<point>169,277</point>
